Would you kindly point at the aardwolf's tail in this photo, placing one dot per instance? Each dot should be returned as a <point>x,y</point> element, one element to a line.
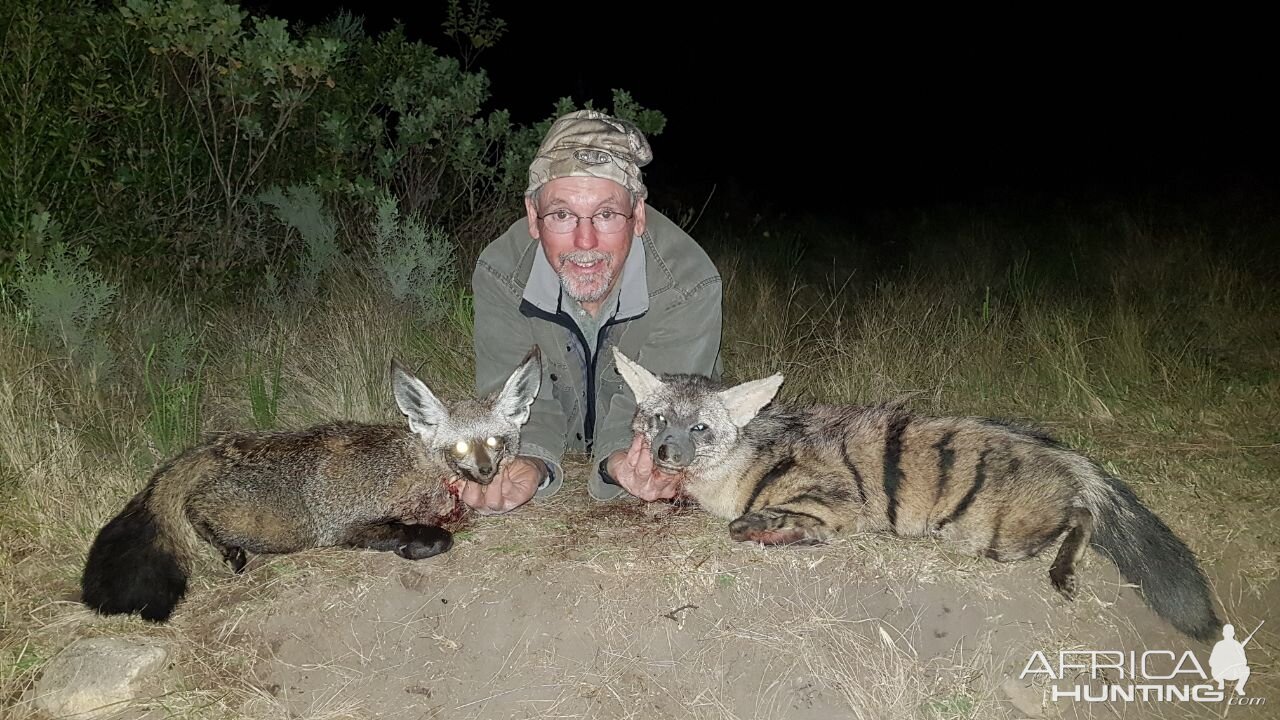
<point>1149,555</point>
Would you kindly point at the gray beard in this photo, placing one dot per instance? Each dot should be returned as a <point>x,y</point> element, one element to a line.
<point>586,256</point>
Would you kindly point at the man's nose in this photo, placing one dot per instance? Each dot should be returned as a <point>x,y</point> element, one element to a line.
<point>584,236</point>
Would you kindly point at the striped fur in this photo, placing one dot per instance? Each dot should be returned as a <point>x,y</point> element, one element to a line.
<point>802,474</point>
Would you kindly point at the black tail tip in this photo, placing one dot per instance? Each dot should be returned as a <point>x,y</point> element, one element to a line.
<point>129,571</point>
<point>1149,555</point>
<point>1207,629</point>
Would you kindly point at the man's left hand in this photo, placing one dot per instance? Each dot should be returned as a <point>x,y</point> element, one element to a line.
<point>634,470</point>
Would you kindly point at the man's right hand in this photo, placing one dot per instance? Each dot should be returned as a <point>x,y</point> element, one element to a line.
<point>513,486</point>
<point>633,469</point>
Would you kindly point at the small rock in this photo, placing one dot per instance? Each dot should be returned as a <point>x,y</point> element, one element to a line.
<point>1026,699</point>
<point>96,677</point>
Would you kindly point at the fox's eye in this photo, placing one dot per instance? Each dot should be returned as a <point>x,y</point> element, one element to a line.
<point>492,442</point>
<point>700,427</point>
<point>462,447</point>
<point>659,419</point>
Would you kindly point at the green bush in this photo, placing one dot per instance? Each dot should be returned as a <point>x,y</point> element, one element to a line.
<point>149,128</point>
<point>415,261</point>
<point>301,208</point>
<point>63,297</point>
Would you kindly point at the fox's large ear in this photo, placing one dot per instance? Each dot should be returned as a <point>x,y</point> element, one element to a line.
<point>642,382</point>
<point>522,388</point>
<point>745,400</point>
<point>416,400</point>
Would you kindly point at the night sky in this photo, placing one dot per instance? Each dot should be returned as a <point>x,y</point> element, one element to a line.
<point>832,110</point>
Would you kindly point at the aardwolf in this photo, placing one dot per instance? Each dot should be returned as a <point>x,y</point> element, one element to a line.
<point>382,487</point>
<point>803,474</point>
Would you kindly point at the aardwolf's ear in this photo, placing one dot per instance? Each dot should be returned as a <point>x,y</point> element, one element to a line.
<point>416,401</point>
<point>521,389</point>
<point>745,400</point>
<point>642,382</point>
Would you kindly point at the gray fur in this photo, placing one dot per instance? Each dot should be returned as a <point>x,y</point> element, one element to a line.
<point>383,487</point>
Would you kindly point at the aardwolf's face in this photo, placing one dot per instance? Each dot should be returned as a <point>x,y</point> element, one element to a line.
<point>473,437</point>
<point>689,422</point>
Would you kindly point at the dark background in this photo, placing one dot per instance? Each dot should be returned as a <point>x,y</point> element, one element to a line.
<point>845,108</point>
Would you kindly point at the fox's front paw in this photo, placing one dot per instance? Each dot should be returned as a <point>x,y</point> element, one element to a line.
<point>423,541</point>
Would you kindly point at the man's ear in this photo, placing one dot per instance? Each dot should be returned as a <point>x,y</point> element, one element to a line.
<point>531,212</point>
<point>641,222</point>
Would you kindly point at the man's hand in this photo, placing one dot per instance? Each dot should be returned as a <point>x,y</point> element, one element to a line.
<point>633,469</point>
<point>513,486</point>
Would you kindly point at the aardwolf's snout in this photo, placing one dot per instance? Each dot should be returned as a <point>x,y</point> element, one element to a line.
<point>674,449</point>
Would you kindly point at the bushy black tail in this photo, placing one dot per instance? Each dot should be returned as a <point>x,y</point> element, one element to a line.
<point>1150,556</point>
<point>132,568</point>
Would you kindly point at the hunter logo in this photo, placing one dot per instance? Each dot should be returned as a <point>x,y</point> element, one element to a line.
<point>587,156</point>
<point>1150,675</point>
<point>1228,661</point>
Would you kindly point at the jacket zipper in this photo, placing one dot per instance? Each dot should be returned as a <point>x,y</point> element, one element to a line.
<point>562,318</point>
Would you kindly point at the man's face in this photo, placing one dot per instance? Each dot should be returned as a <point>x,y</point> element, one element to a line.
<point>588,261</point>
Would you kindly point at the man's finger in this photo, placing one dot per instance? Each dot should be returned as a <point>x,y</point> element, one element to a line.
<point>664,483</point>
<point>644,466</point>
<point>494,493</point>
<point>634,452</point>
<point>511,493</point>
<point>471,494</point>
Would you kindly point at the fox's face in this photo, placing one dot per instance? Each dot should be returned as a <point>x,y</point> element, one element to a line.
<point>475,436</point>
<point>689,422</point>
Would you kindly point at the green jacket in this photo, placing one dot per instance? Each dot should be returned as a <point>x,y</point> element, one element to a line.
<point>667,318</point>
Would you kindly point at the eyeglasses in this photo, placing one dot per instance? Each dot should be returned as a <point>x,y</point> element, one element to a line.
<point>605,221</point>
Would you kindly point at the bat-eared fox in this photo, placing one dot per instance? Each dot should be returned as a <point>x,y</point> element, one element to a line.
<point>382,487</point>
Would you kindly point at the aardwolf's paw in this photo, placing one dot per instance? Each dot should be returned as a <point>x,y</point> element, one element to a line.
<point>790,536</point>
<point>754,522</point>
<point>768,527</point>
<point>1064,581</point>
<point>423,541</point>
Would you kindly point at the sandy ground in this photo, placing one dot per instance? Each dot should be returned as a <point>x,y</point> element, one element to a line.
<point>570,608</point>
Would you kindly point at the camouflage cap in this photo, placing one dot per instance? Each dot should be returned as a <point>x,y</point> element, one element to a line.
<point>592,144</point>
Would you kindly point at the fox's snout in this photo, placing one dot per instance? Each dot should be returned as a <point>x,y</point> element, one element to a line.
<point>673,449</point>
<point>480,465</point>
<point>483,474</point>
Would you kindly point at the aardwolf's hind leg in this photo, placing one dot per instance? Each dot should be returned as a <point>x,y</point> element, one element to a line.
<point>779,525</point>
<point>414,542</point>
<point>1063,571</point>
